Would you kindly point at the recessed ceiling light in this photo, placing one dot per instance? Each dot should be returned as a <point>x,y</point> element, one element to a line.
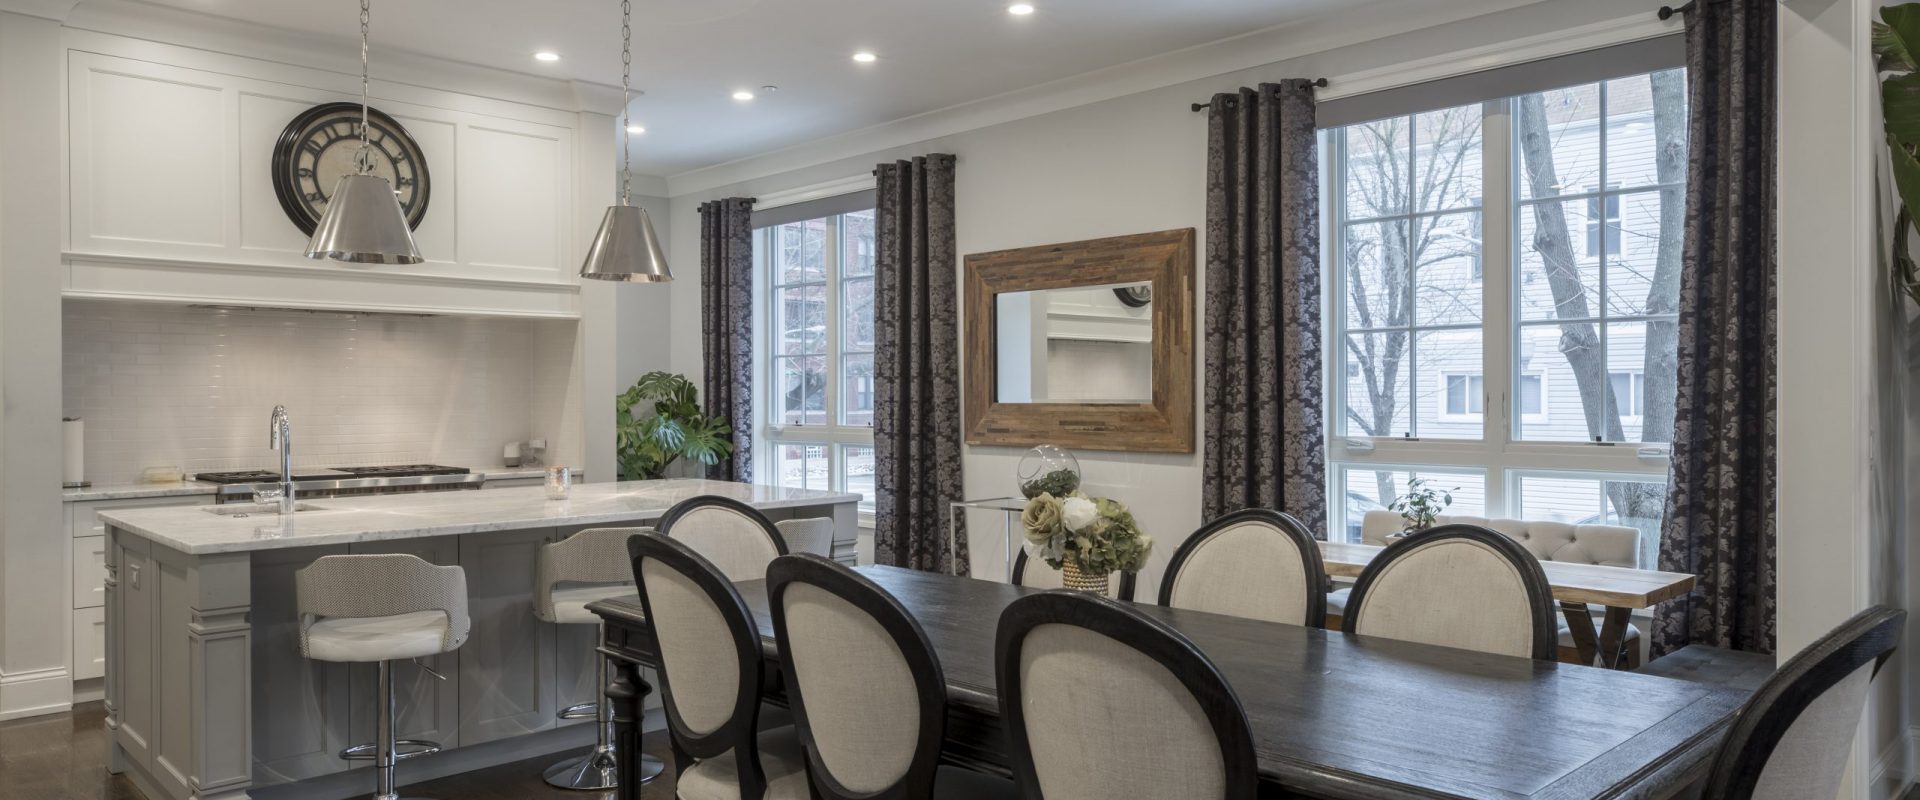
<point>546,55</point>
<point>743,95</point>
<point>636,129</point>
<point>1020,9</point>
<point>865,57</point>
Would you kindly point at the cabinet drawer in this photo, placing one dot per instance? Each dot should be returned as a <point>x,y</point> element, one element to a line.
<point>89,643</point>
<point>89,571</point>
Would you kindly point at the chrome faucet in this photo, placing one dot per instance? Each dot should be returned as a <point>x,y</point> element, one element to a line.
<point>280,437</point>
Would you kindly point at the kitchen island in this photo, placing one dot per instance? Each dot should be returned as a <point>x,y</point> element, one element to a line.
<point>207,693</point>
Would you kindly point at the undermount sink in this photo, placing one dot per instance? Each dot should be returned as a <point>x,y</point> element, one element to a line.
<point>256,509</point>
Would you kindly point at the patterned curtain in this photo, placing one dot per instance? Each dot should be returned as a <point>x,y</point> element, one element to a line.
<point>1719,521</point>
<point>726,326</point>
<point>916,414</point>
<point>1265,445</point>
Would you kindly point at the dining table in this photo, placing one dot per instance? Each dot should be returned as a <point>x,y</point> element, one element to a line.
<point>1576,586</point>
<point>1333,715</point>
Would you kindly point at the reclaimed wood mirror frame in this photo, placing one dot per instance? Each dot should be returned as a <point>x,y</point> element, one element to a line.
<point>1165,425</point>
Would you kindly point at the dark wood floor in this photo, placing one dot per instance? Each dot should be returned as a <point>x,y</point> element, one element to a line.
<point>63,757</point>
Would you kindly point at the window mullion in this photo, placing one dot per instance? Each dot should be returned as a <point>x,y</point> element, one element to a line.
<point>1498,248</point>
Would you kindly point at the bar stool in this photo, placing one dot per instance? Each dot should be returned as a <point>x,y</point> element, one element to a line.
<point>588,566</point>
<point>809,535</point>
<point>381,608</point>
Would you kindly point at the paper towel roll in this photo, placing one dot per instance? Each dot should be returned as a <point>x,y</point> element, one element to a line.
<point>74,471</point>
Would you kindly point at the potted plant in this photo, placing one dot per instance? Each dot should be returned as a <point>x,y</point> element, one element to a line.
<point>1086,538</point>
<point>647,443</point>
<point>1419,507</point>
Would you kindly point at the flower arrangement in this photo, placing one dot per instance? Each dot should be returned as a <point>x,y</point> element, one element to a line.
<point>1093,535</point>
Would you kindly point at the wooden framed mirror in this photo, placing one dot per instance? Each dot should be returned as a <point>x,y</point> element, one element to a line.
<point>1086,345</point>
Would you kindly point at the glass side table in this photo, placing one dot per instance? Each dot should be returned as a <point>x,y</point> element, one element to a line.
<point>1009,508</point>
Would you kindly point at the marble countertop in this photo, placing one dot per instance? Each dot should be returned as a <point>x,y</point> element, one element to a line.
<point>372,518</point>
<point>131,491</point>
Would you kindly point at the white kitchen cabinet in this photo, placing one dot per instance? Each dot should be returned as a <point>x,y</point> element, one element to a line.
<point>90,643</point>
<point>89,571</point>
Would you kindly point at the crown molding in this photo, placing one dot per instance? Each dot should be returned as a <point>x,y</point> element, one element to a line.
<point>219,35</point>
<point>56,10</point>
<point>1329,31</point>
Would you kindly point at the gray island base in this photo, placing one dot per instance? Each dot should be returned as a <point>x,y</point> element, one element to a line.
<point>207,693</point>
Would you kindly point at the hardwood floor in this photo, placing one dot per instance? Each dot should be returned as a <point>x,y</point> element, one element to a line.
<point>63,757</point>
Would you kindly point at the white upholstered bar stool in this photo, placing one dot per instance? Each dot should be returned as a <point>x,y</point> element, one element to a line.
<point>381,609</point>
<point>583,568</point>
<point>811,535</point>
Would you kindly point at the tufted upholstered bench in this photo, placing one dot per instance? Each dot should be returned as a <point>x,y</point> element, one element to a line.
<point>1606,545</point>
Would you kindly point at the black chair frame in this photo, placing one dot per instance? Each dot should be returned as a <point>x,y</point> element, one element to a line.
<point>692,504</point>
<point>739,734</point>
<point>1868,637</point>
<point>1546,631</point>
<point>1317,583</point>
<point>929,681</point>
<point>1154,639</point>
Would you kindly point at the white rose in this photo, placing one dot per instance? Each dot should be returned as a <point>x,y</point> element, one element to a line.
<point>1078,512</point>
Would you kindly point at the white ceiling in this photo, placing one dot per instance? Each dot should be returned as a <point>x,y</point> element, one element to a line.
<point>690,55</point>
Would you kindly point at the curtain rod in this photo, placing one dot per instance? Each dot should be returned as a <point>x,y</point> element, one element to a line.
<point>1667,12</point>
<point>1320,82</point>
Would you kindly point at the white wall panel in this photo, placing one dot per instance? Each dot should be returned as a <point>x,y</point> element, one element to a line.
<point>515,185</point>
<point>154,150</point>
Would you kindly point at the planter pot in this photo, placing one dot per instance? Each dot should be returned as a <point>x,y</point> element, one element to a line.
<point>1072,578</point>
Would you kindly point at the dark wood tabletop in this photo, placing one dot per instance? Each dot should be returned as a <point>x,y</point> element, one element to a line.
<point>1337,715</point>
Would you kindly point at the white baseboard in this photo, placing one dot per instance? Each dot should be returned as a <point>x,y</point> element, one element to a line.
<point>35,692</point>
<point>1892,772</point>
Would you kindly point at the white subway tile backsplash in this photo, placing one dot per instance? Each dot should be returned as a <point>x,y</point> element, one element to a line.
<point>191,387</point>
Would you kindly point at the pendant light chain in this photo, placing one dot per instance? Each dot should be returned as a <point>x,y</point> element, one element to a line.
<point>364,157</point>
<point>626,102</point>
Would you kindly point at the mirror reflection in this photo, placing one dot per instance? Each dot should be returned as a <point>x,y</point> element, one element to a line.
<point>1089,344</point>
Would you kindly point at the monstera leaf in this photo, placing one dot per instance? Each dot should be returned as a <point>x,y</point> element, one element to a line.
<point>676,429</point>
<point>1896,50</point>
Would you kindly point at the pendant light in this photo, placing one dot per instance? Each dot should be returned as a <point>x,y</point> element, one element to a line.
<point>364,223</point>
<point>626,249</point>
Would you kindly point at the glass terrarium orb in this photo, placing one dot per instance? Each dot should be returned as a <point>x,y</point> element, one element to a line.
<point>1048,470</point>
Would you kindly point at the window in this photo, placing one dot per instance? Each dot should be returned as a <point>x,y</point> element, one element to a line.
<point>1610,222</point>
<point>819,355</point>
<point>1505,277</point>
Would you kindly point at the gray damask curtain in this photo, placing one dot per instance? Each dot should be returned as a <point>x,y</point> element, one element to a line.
<point>1719,521</point>
<point>1265,444</point>
<point>916,414</point>
<point>726,326</point>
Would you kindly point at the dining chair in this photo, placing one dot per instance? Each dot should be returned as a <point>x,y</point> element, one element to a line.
<point>736,537</point>
<point>1032,573</point>
<point>711,677</point>
<point>867,692</point>
<point>1256,563</point>
<point>1458,586</point>
<point>1101,701</point>
<point>1792,737</point>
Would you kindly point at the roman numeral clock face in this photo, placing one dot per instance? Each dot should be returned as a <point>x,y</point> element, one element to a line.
<point>320,146</point>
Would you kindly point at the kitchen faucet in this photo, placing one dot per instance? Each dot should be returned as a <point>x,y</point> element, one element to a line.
<point>279,437</point>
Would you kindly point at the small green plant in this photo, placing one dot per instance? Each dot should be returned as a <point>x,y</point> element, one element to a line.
<point>1421,505</point>
<point>1896,49</point>
<point>1059,483</point>
<point>677,428</point>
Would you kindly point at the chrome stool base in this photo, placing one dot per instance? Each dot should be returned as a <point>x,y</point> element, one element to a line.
<point>597,771</point>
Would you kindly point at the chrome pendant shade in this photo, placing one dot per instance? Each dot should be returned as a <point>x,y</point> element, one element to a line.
<point>626,249</point>
<point>364,225</point>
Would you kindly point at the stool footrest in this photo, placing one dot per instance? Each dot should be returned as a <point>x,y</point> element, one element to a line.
<point>580,711</point>
<point>403,750</point>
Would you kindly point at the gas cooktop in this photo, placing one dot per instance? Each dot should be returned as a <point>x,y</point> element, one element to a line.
<point>331,473</point>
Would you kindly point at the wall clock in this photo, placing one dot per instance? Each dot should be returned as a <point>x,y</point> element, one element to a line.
<point>318,147</point>
<point>1135,296</point>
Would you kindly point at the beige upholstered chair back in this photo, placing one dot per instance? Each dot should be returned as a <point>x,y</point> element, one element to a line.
<point>1257,564</point>
<point>1812,757</point>
<point>702,662</point>
<point>1457,586</point>
<point>1102,712</point>
<point>1606,545</point>
<point>812,535</point>
<point>595,556</point>
<point>868,691</point>
<point>737,539</point>
<point>381,585</point>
